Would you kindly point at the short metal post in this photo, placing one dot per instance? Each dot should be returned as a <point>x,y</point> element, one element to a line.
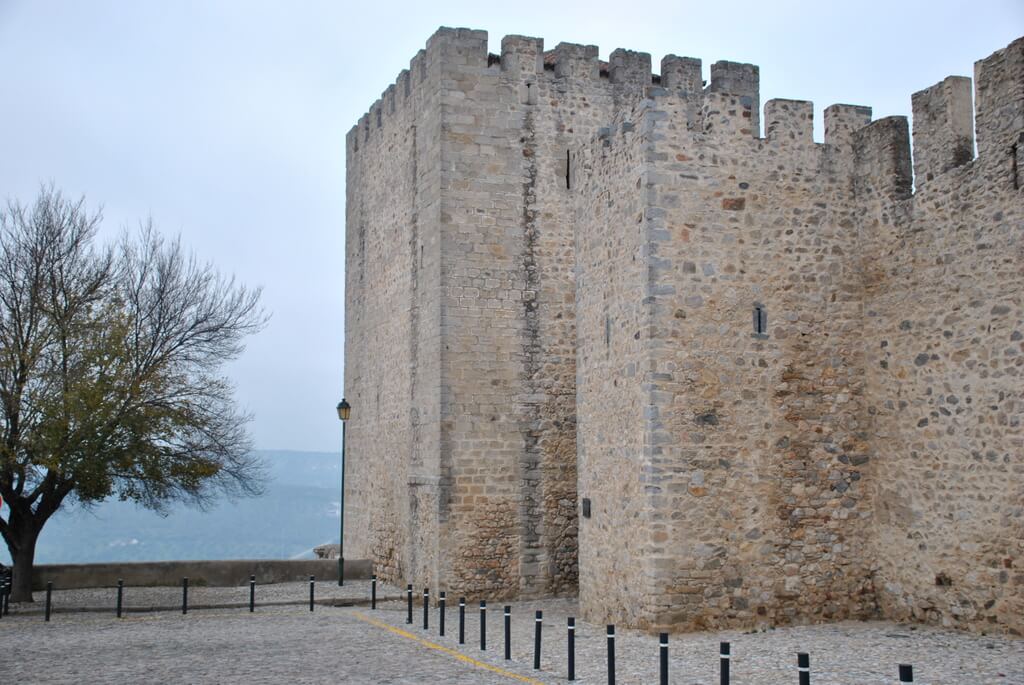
<point>184,595</point>
<point>373,591</point>
<point>538,623</point>
<point>508,632</point>
<point>483,625</point>
<point>440,612</point>
<point>312,585</point>
<point>724,655</point>
<point>611,655</point>
<point>49,593</point>
<point>663,648</point>
<point>408,596</point>
<point>906,673</point>
<point>252,594</point>
<point>572,648</point>
<point>462,620</point>
<point>803,667</point>
<point>426,608</point>
<point>120,596</point>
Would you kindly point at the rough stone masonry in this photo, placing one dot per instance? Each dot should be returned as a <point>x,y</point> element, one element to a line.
<point>605,335</point>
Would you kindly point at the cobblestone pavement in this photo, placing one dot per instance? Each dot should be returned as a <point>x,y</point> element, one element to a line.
<point>357,645</point>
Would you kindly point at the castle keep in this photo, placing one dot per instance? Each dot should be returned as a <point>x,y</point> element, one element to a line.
<point>630,335</point>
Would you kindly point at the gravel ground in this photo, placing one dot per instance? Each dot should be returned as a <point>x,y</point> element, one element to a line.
<point>357,645</point>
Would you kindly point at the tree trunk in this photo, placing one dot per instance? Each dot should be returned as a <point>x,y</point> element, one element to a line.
<point>24,557</point>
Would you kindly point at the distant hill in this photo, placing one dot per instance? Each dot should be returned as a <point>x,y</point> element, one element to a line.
<point>298,512</point>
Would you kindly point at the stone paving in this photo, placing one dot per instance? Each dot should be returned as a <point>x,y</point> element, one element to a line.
<point>354,644</point>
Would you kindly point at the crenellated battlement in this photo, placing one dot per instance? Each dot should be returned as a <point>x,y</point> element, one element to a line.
<point>728,104</point>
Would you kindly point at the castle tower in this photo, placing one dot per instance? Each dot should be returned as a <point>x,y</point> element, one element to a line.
<point>604,334</point>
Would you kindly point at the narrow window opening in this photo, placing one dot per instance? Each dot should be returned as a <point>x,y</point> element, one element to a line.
<point>1015,161</point>
<point>760,320</point>
<point>607,331</point>
<point>568,161</point>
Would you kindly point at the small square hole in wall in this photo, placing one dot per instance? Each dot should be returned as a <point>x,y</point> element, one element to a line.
<point>586,507</point>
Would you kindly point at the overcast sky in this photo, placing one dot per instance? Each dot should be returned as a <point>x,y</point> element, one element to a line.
<point>226,121</point>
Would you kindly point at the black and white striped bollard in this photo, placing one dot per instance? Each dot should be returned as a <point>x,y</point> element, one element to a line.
<point>426,608</point>
<point>184,595</point>
<point>572,648</point>
<point>49,593</point>
<point>252,594</point>
<point>803,667</point>
<point>120,596</point>
<point>538,624</point>
<point>906,673</point>
<point>440,612</point>
<point>408,596</point>
<point>611,655</point>
<point>312,585</point>
<point>462,620</point>
<point>508,632</point>
<point>373,591</point>
<point>723,654</point>
<point>483,625</point>
<point>663,649</point>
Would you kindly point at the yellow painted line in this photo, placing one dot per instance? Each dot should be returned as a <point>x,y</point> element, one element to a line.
<point>450,652</point>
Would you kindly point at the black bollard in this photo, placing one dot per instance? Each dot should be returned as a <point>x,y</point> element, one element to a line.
<point>483,625</point>
<point>120,596</point>
<point>312,584</point>
<point>252,594</point>
<point>663,645</point>
<point>572,648</point>
<point>49,592</point>
<point>803,667</point>
<point>723,654</point>
<point>440,612</point>
<point>184,595</point>
<point>906,673</point>
<point>373,591</point>
<point>508,632</point>
<point>462,620</point>
<point>408,595</point>
<point>611,655</point>
<point>426,608</point>
<point>538,623</point>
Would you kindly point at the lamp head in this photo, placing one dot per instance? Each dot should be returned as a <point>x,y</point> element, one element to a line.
<point>344,409</point>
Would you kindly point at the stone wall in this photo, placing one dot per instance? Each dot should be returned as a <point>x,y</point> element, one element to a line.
<point>944,337</point>
<point>392,323</point>
<point>223,573</point>
<point>752,461</point>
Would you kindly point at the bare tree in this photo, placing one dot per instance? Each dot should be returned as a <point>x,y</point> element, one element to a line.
<point>110,381</point>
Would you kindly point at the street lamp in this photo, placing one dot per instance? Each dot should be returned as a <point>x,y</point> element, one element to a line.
<point>344,409</point>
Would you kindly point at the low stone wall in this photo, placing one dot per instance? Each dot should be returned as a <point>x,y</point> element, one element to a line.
<point>209,573</point>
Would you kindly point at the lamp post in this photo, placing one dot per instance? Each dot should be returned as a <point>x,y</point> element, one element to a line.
<point>344,409</point>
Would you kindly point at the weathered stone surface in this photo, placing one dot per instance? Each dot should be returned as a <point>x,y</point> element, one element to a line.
<point>553,267</point>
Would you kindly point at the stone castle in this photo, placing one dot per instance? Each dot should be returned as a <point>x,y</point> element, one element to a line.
<point>625,335</point>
